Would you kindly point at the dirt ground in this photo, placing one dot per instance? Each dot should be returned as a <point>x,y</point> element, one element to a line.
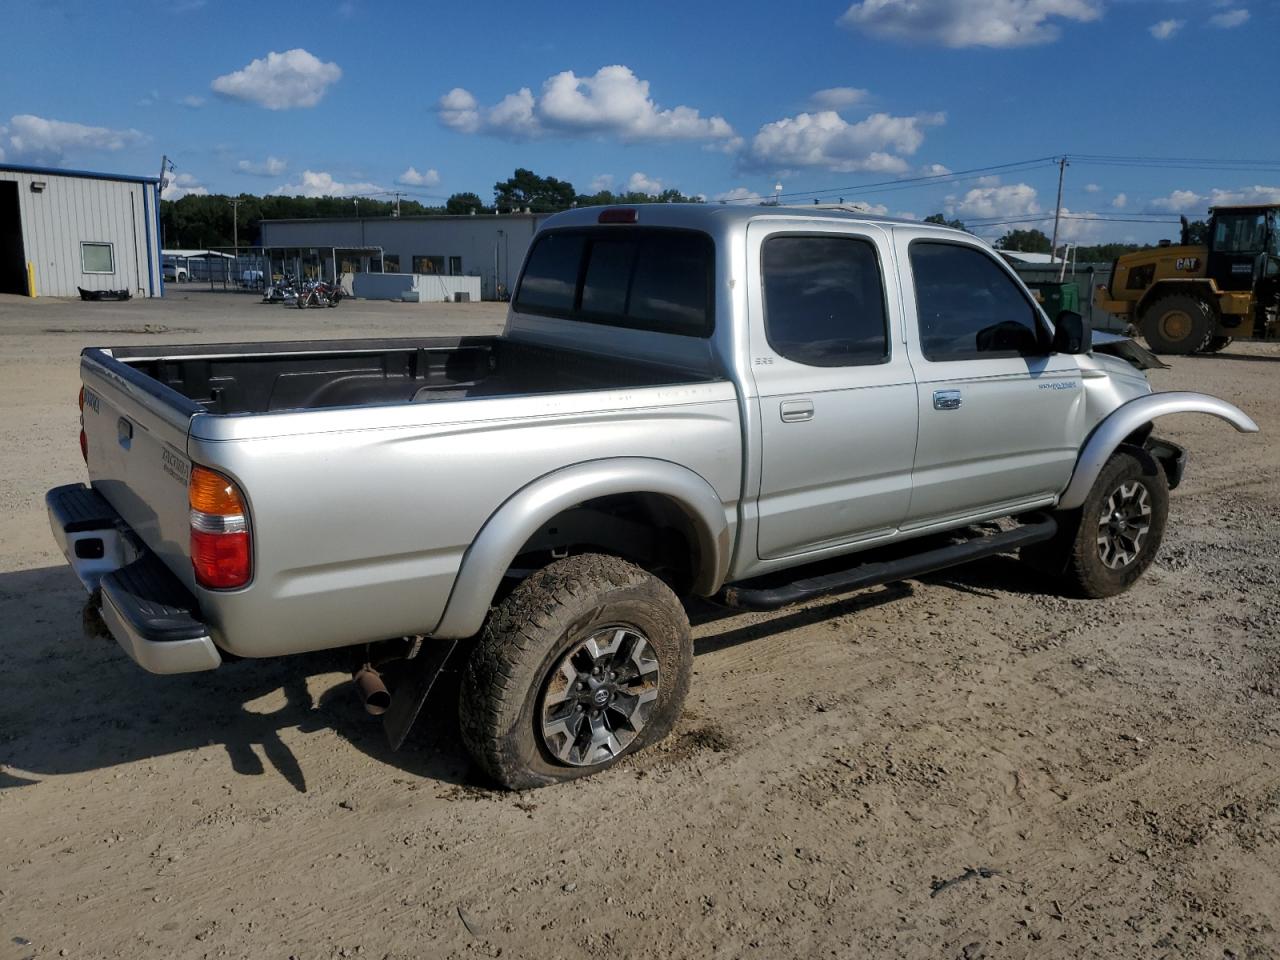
<point>957,767</point>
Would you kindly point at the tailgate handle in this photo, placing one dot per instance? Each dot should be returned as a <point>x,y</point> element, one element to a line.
<point>124,432</point>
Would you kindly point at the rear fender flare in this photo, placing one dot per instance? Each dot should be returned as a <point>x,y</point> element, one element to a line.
<point>510,527</point>
<point>1125,419</point>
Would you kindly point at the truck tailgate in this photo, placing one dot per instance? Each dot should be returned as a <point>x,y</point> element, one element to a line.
<point>136,431</point>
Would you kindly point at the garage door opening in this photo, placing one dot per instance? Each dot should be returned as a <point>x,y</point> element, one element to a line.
<point>13,260</point>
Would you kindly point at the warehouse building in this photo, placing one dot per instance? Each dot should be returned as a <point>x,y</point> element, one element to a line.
<point>490,247</point>
<point>61,230</point>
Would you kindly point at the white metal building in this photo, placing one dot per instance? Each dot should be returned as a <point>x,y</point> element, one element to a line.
<point>489,247</point>
<point>63,229</point>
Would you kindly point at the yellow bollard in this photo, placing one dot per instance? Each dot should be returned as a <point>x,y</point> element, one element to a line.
<point>31,280</point>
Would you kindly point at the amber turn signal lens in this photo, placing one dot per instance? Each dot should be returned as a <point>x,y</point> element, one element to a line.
<point>211,492</point>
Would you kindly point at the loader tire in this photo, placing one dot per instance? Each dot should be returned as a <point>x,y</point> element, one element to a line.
<point>1178,324</point>
<point>585,662</point>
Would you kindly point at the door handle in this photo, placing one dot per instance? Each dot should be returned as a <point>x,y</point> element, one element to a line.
<point>947,400</point>
<point>793,411</point>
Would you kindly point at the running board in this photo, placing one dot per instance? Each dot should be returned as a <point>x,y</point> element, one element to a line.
<point>1037,528</point>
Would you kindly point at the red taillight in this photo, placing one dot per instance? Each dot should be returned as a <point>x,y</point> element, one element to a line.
<point>617,215</point>
<point>220,546</point>
<point>221,560</point>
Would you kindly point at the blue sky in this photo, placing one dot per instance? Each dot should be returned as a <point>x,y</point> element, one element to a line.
<point>357,97</point>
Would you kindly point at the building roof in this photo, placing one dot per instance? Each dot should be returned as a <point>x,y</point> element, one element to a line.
<point>83,174</point>
<point>487,217</point>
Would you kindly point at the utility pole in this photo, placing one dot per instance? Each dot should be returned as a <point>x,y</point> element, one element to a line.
<point>396,200</point>
<point>1057,210</point>
<point>235,223</point>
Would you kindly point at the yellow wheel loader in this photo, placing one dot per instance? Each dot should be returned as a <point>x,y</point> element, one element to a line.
<point>1197,299</point>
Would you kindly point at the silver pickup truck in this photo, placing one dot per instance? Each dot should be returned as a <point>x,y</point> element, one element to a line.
<point>756,405</point>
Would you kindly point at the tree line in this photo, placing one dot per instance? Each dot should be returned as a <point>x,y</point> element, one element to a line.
<point>199,222</point>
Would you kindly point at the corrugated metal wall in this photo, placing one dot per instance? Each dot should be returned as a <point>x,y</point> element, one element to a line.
<point>73,209</point>
<point>488,245</point>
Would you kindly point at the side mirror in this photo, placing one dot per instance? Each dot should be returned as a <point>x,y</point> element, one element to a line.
<point>1071,333</point>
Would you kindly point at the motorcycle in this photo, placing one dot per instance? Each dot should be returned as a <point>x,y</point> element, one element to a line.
<point>318,293</point>
<point>282,291</point>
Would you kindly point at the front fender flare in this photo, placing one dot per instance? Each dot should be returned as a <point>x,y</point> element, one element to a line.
<point>510,527</point>
<point>1127,418</point>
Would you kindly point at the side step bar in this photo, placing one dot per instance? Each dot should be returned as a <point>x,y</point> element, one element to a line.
<point>1037,528</point>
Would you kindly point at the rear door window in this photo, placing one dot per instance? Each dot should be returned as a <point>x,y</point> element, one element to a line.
<point>824,300</point>
<point>644,278</point>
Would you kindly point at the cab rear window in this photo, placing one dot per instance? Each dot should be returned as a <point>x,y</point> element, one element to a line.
<point>637,277</point>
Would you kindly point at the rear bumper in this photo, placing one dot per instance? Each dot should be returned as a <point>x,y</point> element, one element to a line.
<point>146,608</point>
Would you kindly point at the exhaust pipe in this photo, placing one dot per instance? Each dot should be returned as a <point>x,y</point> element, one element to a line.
<point>373,692</point>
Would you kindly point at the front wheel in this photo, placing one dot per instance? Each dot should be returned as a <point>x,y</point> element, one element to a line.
<point>1105,546</point>
<point>1178,324</point>
<point>586,661</point>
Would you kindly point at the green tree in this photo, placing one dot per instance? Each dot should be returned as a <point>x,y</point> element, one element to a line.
<point>940,219</point>
<point>465,203</point>
<point>526,190</point>
<point>1198,233</point>
<point>1024,241</point>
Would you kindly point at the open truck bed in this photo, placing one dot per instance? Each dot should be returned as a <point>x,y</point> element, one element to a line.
<point>244,378</point>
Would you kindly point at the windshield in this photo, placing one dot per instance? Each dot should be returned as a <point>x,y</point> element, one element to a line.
<point>1274,245</point>
<point>1240,233</point>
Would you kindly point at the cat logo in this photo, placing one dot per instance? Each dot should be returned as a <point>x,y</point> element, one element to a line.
<point>1187,263</point>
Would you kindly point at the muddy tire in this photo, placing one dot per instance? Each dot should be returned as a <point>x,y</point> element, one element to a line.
<point>1102,549</point>
<point>585,662</point>
<point>1178,324</point>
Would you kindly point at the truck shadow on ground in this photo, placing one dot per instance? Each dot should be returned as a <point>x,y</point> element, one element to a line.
<point>70,703</point>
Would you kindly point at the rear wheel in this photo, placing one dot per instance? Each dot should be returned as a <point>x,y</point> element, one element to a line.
<point>1178,324</point>
<point>586,661</point>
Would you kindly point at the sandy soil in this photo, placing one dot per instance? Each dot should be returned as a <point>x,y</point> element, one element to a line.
<point>960,767</point>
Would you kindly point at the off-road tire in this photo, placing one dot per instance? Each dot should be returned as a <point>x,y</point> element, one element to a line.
<point>1178,324</point>
<point>1217,343</point>
<point>1074,557</point>
<point>525,639</point>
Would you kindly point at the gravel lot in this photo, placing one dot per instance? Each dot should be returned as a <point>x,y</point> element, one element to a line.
<point>961,766</point>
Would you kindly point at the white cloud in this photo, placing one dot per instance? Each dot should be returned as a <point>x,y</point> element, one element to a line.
<point>280,81</point>
<point>270,167</point>
<point>1077,226</point>
<point>1166,28</point>
<point>969,23</point>
<point>40,140</point>
<point>1230,18</point>
<point>990,201</point>
<point>738,193</point>
<point>181,185</point>
<point>612,101</point>
<point>934,170</point>
<point>192,101</point>
<point>640,183</point>
<point>1120,201</point>
<point>824,139</point>
<point>1179,201</point>
<point>321,184</point>
<point>1091,188</point>
<point>837,98</point>
<point>862,206</point>
<point>413,178</point>
<point>602,182</point>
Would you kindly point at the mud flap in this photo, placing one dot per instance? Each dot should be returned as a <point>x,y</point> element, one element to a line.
<point>415,685</point>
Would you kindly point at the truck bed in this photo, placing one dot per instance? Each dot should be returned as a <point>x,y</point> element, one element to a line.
<point>241,378</point>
